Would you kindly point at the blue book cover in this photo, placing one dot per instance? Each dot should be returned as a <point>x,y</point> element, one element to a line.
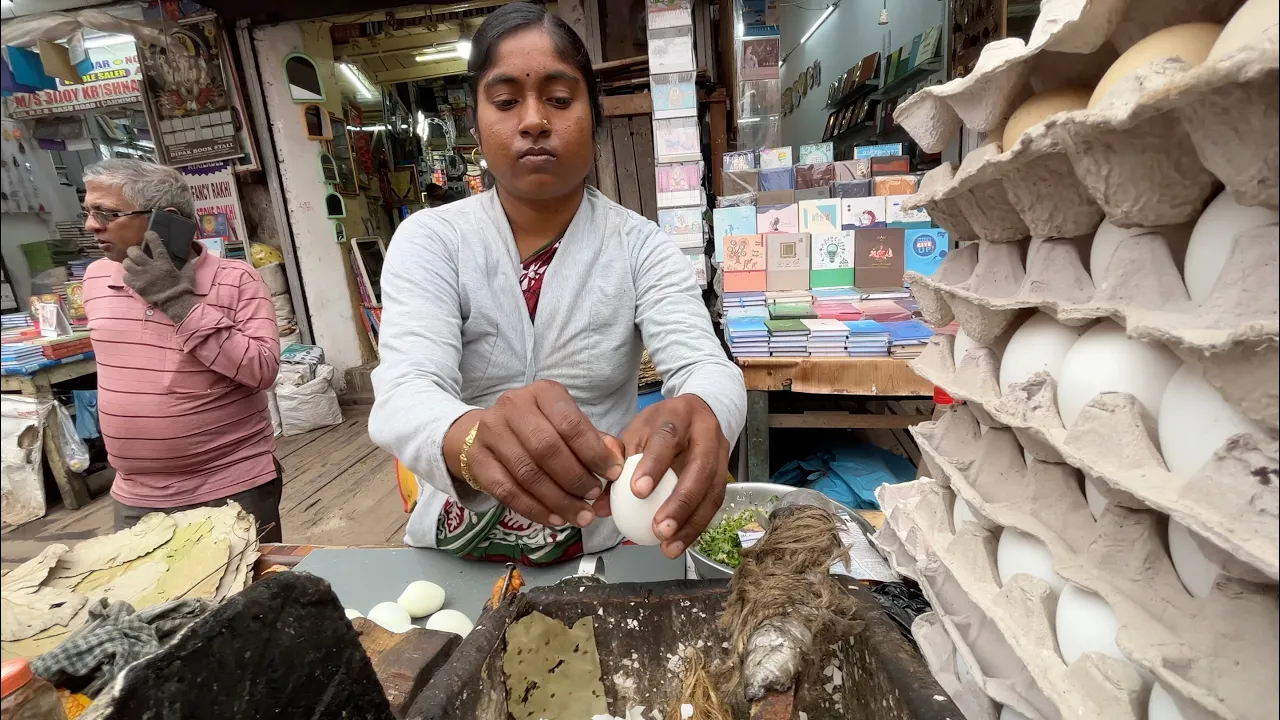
<point>908,331</point>
<point>926,249</point>
<point>778,179</point>
<point>865,152</point>
<point>732,221</point>
<point>865,327</point>
<point>737,326</point>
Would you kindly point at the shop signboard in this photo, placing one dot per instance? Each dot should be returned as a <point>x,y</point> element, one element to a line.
<point>114,80</point>
<point>213,186</point>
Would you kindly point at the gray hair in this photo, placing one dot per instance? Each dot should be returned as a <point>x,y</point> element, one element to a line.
<point>147,185</point>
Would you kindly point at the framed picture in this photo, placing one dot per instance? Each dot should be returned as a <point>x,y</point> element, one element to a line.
<point>370,254</point>
<point>343,157</point>
<point>845,116</point>
<point>788,101</point>
<point>831,125</point>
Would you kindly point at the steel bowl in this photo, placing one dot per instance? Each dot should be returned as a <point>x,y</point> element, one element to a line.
<point>737,497</point>
<point>766,496</point>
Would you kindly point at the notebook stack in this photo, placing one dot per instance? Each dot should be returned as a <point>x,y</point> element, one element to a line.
<point>76,269</point>
<point>792,311</point>
<point>908,338</point>
<point>16,355</point>
<point>837,311</point>
<point>789,338</point>
<point>835,295</point>
<point>788,297</point>
<point>74,232</point>
<point>867,338</point>
<point>745,304</point>
<point>883,311</point>
<point>827,338</point>
<point>748,336</point>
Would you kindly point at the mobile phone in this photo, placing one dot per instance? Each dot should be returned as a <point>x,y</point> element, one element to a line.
<point>176,232</point>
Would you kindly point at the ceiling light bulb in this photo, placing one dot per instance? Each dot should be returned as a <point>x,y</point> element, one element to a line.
<point>884,14</point>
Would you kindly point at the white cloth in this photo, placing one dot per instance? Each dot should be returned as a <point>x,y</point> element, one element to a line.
<point>456,334</point>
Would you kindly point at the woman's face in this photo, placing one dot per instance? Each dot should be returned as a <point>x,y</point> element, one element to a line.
<point>534,118</point>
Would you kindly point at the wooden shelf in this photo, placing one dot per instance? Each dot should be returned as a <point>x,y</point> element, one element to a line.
<point>902,84</point>
<point>835,376</point>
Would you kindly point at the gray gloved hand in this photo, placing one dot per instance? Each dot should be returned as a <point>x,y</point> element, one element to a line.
<point>158,282</point>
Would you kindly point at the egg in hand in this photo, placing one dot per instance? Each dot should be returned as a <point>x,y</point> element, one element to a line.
<point>633,515</point>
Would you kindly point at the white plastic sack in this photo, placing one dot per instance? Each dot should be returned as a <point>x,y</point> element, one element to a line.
<point>309,406</point>
<point>74,451</point>
<point>21,451</point>
<point>273,406</point>
<point>284,309</point>
<point>274,278</point>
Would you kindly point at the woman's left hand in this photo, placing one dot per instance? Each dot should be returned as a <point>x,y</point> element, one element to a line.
<point>682,434</point>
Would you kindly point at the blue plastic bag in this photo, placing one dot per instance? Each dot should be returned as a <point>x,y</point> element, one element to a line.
<point>848,475</point>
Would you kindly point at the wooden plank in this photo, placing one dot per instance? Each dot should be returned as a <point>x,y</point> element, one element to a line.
<point>642,139</point>
<point>757,436</point>
<point>71,484</point>
<point>835,376</point>
<point>404,662</point>
<point>719,137</point>
<point>635,62</point>
<point>606,169</point>
<point>637,104</point>
<point>843,420</point>
<point>344,511</point>
<point>624,157</point>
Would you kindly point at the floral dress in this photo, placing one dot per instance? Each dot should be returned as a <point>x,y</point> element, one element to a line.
<point>500,534</point>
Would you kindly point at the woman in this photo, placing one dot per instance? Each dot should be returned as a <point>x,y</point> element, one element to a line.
<point>513,324</point>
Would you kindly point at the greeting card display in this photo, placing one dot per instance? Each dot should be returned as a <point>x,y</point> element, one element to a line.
<point>788,263</point>
<point>735,161</point>
<point>819,216</point>
<point>684,225</point>
<point>777,218</point>
<point>816,153</point>
<point>760,58</point>
<point>926,249</point>
<point>831,260</point>
<point>878,258</point>
<point>862,212</point>
<point>671,50</point>
<point>744,263</point>
<point>676,140</point>
<point>777,157</point>
<point>669,13</point>
<point>674,95</point>
<point>815,175</point>
<point>679,184</point>
<point>728,221</point>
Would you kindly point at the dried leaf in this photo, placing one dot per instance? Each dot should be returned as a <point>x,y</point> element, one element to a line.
<point>552,671</point>
<point>32,573</point>
<point>26,608</point>
<point>108,551</point>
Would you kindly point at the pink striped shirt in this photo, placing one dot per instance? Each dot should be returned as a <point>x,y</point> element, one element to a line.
<point>182,409</point>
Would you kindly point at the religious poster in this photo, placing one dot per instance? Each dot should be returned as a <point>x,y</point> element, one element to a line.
<point>217,204</point>
<point>190,95</point>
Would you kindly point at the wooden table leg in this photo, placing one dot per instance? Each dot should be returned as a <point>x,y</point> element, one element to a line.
<point>757,436</point>
<point>71,484</point>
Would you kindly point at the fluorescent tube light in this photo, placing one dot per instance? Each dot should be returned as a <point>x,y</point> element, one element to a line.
<point>364,89</point>
<point>825,14</point>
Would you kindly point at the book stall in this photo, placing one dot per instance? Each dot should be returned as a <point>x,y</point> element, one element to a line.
<point>1093,531</point>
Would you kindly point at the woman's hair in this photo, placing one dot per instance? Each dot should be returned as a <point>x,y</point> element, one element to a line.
<point>516,16</point>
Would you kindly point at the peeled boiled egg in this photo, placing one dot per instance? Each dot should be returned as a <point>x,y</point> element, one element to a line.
<point>1189,43</point>
<point>1161,705</point>
<point>1195,421</point>
<point>961,513</point>
<point>1246,27</point>
<point>634,516</point>
<point>1196,571</point>
<point>1214,237</point>
<point>1019,552</point>
<point>450,621</point>
<point>421,598</point>
<point>1105,360</point>
<point>391,616</point>
<point>1097,503</point>
<point>352,614</point>
<point>1038,345</point>
<point>1041,107</point>
<point>1008,713</point>
<point>1086,623</point>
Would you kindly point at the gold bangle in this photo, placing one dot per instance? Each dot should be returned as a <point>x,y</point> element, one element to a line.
<point>462,459</point>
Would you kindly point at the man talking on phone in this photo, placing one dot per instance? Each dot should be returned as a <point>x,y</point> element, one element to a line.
<point>186,349</point>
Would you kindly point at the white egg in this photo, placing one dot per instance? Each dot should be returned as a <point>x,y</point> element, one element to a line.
<point>1020,553</point>
<point>1026,457</point>
<point>634,516</point>
<point>352,614</point>
<point>1038,345</point>
<point>1213,239</point>
<point>1161,705</point>
<point>1085,623</point>
<point>963,343</point>
<point>1247,27</point>
<point>961,513</point>
<point>450,621</point>
<point>1108,239</point>
<point>1196,571</point>
<point>1195,421</point>
<point>1097,503</point>
<point>421,598</point>
<point>1008,713</point>
<point>1105,360</point>
<point>391,616</point>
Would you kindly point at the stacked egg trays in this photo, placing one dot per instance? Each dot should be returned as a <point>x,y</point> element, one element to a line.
<point>1087,220</point>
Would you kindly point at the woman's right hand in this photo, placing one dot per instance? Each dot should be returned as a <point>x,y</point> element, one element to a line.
<point>536,453</point>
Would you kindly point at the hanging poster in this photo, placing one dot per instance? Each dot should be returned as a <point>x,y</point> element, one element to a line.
<point>213,186</point>
<point>189,95</point>
<point>114,80</point>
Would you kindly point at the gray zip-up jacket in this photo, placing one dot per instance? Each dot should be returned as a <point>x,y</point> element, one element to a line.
<point>456,334</point>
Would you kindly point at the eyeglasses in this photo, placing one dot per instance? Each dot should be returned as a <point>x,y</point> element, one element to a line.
<point>105,218</point>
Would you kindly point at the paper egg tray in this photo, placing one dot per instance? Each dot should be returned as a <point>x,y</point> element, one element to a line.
<point>1231,336</point>
<point>1224,503</point>
<point>1152,155</point>
<point>1004,634</point>
<point>940,655</point>
<point>1007,69</point>
<point>1205,650</point>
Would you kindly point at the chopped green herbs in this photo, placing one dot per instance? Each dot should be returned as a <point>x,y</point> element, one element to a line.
<point>720,541</point>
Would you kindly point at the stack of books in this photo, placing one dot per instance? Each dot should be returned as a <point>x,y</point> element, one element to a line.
<point>883,311</point>
<point>744,304</point>
<point>788,297</point>
<point>908,338</point>
<point>74,233</point>
<point>17,355</point>
<point>835,295</point>
<point>748,336</point>
<point>837,311</point>
<point>60,348</point>
<point>827,338</point>
<point>77,268</point>
<point>788,338</point>
<point>867,338</point>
